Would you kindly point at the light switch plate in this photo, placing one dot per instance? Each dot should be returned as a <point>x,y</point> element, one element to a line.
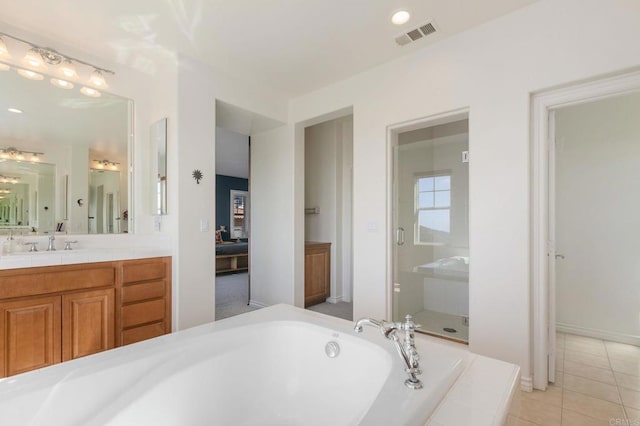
<point>204,225</point>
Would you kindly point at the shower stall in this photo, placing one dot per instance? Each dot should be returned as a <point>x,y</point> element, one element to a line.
<point>431,228</point>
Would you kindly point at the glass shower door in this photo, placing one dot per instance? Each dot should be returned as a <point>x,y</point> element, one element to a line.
<point>430,214</point>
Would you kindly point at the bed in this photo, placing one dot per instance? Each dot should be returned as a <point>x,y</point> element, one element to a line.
<point>232,257</point>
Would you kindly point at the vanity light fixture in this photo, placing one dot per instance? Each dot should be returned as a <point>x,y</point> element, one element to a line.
<point>68,70</point>
<point>12,153</point>
<point>30,74</point>
<point>34,59</point>
<point>63,84</point>
<point>400,17</point>
<point>39,57</point>
<point>104,164</point>
<point>97,79</point>
<point>9,179</point>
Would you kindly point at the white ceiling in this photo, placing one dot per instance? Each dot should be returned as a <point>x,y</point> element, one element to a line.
<point>294,46</point>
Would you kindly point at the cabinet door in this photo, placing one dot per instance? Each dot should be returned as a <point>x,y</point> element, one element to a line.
<point>29,334</point>
<point>317,275</point>
<point>87,323</point>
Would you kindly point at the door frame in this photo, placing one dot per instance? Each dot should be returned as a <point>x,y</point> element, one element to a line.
<point>392,141</point>
<point>542,106</point>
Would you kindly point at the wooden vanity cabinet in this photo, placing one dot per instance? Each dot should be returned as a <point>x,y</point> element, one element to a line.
<point>30,334</point>
<point>317,273</point>
<point>59,313</point>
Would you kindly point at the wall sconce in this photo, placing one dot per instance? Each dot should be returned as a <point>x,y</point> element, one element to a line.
<point>15,154</point>
<point>38,57</point>
<point>105,165</point>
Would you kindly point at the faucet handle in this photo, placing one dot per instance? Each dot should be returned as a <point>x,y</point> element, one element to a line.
<point>408,324</point>
<point>34,246</point>
<point>67,244</point>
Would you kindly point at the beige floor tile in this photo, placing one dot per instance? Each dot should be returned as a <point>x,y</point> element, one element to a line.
<point>593,373</point>
<point>630,398</point>
<point>615,348</point>
<point>631,367</point>
<point>591,388</point>
<point>627,381</point>
<point>560,361</point>
<point>535,411</point>
<point>514,421</point>
<point>584,340</point>
<point>586,359</point>
<point>633,415</point>
<point>559,378</point>
<point>591,407</point>
<point>587,348</point>
<point>571,418</point>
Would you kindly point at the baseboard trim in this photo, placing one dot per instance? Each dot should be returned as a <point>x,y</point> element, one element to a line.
<point>526,383</point>
<point>257,304</point>
<point>334,299</point>
<point>598,334</point>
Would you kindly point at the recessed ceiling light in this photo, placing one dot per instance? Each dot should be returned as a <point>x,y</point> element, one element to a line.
<point>400,17</point>
<point>16,110</point>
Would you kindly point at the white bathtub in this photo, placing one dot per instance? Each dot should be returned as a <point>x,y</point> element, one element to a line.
<point>267,367</point>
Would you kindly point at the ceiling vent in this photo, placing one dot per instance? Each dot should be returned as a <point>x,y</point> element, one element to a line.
<point>416,33</point>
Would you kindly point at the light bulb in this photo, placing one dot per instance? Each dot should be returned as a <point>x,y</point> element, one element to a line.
<point>30,74</point>
<point>20,156</point>
<point>63,84</point>
<point>88,91</point>
<point>97,79</point>
<point>34,59</point>
<point>34,157</point>
<point>68,70</point>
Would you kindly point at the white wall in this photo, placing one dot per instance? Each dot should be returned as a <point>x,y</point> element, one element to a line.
<point>491,70</point>
<point>597,204</point>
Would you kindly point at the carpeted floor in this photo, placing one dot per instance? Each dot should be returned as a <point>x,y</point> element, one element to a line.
<point>231,295</point>
<point>232,292</point>
<point>342,310</point>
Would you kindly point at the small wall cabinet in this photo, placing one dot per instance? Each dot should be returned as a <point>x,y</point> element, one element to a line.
<point>317,273</point>
<point>59,313</point>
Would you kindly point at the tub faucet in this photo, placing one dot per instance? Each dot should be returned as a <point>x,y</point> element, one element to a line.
<point>406,349</point>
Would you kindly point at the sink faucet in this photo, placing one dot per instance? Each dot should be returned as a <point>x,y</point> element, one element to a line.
<point>406,349</point>
<point>52,245</point>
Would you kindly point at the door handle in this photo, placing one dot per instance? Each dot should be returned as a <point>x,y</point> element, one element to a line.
<point>559,256</point>
<point>400,236</point>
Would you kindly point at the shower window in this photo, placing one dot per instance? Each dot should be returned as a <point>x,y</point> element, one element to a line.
<point>432,207</point>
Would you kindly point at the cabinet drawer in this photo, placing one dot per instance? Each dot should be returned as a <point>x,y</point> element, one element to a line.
<point>143,271</point>
<point>137,334</point>
<point>138,292</point>
<point>142,313</point>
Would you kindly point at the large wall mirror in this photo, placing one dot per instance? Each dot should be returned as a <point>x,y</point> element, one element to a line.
<point>65,157</point>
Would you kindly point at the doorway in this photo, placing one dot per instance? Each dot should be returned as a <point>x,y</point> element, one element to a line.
<point>585,184</point>
<point>430,241</point>
<point>328,183</point>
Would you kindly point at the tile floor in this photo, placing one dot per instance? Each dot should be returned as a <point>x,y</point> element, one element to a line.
<point>597,383</point>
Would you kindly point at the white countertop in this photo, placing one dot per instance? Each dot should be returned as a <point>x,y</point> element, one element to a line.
<point>89,248</point>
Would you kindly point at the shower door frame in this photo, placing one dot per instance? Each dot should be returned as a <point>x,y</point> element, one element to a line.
<point>393,131</point>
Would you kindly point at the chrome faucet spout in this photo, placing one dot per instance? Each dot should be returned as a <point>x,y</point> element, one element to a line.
<point>406,349</point>
<point>52,245</point>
